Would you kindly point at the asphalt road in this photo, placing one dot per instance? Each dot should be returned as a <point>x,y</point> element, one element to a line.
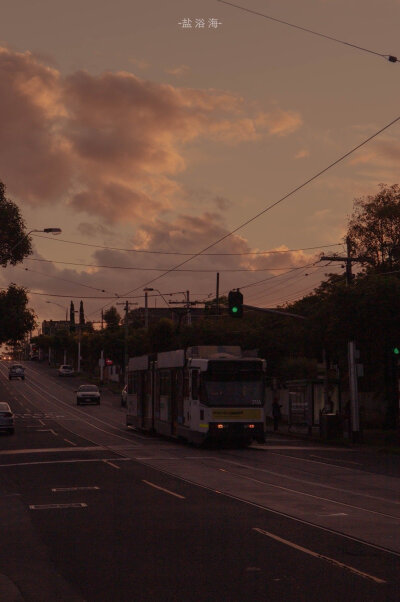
<point>92,511</point>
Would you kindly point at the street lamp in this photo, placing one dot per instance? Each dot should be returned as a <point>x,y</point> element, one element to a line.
<point>47,230</point>
<point>66,309</point>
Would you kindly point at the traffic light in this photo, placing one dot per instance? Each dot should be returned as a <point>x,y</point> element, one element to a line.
<point>396,350</point>
<point>235,301</point>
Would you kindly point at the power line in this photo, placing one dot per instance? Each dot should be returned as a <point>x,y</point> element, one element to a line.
<point>83,244</point>
<point>65,280</point>
<point>118,267</point>
<point>286,196</point>
<point>389,57</point>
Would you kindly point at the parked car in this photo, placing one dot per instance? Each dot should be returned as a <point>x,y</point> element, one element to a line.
<point>65,370</point>
<point>6,418</point>
<point>88,394</point>
<point>16,371</point>
<point>124,395</point>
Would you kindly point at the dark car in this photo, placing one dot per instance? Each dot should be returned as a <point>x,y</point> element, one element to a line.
<point>6,418</point>
<point>16,371</point>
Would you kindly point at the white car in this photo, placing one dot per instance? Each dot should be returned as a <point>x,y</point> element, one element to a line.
<point>88,394</point>
<point>65,370</point>
<point>6,418</point>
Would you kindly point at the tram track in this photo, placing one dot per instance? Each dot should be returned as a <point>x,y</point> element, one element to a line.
<point>216,463</point>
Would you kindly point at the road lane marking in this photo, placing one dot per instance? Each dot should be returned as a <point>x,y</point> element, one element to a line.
<point>59,489</point>
<point>49,450</point>
<point>71,442</point>
<point>73,461</point>
<point>47,431</point>
<point>337,460</point>
<point>165,490</point>
<point>57,506</point>
<point>321,556</point>
<point>296,519</point>
<point>111,464</point>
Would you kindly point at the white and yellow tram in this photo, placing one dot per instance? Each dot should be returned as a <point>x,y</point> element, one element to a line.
<point>203,393</point>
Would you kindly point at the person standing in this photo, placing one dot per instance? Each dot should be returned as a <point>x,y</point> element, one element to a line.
<point>276,414</point>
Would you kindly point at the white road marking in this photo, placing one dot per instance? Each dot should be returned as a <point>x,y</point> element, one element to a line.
<point>335,514</point>
<point>74,461</point>
<point>279,513</point>
<point>47,431</point>
<point>57,506</point>
<point>321,556</point>
<point>59,489</point>
<point>47,450</point>
<point>111,464</point>
<point>337,460</point>
<point>165,490</point>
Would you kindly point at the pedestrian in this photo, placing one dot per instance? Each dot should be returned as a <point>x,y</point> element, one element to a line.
<point>276,413</point>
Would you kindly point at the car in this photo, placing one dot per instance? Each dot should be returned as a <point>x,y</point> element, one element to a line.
<point>6,418</point>
<point>65,370</point>
<point>16,371</point>
<point>88,394</point>
<point>124,395</point>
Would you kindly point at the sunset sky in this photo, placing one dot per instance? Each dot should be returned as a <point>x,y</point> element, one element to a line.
<point>129,131</point>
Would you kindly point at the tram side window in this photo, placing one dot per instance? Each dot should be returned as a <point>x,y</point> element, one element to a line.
<point>195,384</point>
<point>165,382</point>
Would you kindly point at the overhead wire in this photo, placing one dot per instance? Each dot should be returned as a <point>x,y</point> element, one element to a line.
<point>135,268</point>
<point>270,252</point>
<point>388,57</point>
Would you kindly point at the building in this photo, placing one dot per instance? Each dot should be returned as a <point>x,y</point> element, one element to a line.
<point>50,327</point>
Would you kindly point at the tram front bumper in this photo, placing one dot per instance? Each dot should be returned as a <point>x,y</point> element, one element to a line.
<point>223,431</point>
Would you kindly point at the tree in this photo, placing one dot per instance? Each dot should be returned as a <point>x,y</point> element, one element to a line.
<point>81,314</point>
<point>14,244</point>
<point>16,320</point>
<point>112,318</point>
<point>374,228</point>
<point>72,317</point>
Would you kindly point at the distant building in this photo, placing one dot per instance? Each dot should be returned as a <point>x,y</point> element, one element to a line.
<point>50,327</point>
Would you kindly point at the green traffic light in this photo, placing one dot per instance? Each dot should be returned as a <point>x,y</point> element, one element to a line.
<point>234,310</point>
<point>396,350</point>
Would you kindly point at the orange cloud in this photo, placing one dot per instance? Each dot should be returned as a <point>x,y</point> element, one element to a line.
<point>111,145</point>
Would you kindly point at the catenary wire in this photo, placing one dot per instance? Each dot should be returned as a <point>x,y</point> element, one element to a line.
<point>118,267</point>
<point>389,57</point>
<point>271,252</point>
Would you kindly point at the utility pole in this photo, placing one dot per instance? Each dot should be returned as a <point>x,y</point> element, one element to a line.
<point>188,305</point>
<point>351,346</point>
<point>146,307</point>
<point>189,317</point>
<point>217,294</point>
<point>126,359</point>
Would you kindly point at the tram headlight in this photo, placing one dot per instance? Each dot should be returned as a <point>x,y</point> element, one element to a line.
<point>220,426</point>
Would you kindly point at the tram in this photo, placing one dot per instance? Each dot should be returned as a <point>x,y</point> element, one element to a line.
<point>203,393</point>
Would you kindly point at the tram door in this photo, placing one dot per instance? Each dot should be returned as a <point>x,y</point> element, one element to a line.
<point>176,399</point>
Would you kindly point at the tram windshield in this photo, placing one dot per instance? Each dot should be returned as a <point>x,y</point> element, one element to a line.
<point>233,386</point>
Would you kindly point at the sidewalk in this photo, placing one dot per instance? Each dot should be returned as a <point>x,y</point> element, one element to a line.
<point>386,441</point>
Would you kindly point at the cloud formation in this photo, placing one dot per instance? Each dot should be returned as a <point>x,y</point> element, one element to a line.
<point>111,145</point>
